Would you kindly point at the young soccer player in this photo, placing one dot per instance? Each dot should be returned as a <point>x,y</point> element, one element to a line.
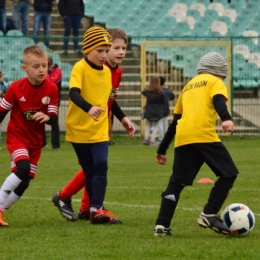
<point>92,148</point>
<point>33,101</point>
<point>196,142</point>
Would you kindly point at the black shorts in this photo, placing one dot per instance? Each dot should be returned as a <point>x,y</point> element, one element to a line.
<point>188,160</point>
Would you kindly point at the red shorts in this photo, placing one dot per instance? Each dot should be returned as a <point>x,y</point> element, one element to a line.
<point>19,151</point>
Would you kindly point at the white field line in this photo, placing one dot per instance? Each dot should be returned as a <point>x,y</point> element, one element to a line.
<point>126,205</point>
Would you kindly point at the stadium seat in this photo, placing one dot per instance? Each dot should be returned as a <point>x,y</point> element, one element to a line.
<point>220,27</point>
<point>179,16</point>
<point>112,21</point>
<point>103,11</point>
<point>254,26</point>
<point>238,61</point>
<point>248,78</point>
<point>90,8</point>
<point>237,28</point>
<point>190,70</point>
<point>235,6</point>
<point>253,35</point>
<point>165,24</point>
<point>179,7</point>
<point>254,57</point>
<point>200,7</point>
<point>128,25</point>
<point>1,34</point>
<point>226,20</point>
<point>190,20</point>
<point>231,13</point>
<point>242,49</point>
<point>194,13</point>
<point>217,7</point>
<point>206,3</point>
<point>14,32</point>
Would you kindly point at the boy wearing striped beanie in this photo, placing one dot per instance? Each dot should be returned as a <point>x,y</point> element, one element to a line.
<point>87,118</point>
<point>199,104</point>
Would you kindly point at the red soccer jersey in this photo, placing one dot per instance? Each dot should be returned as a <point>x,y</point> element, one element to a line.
<point>25,100</point>
<point>116,79</point>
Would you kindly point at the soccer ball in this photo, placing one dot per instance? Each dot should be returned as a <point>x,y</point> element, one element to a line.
<point>239,219</point>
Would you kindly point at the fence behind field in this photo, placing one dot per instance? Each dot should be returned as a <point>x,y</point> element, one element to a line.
<point>176,61</point>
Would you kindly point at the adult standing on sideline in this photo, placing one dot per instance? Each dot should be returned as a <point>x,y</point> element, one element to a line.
<point>42,14</point>
<point>2,16</point>
<point>72,13</point>
<point>20,9</point>
<point>163,123</point>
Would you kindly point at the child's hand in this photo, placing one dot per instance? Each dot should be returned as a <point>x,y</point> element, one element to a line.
<point>161,158</point>
<point>95,112</point>
<point>41,117</point>
<point>228,126</point>
<point>128,125</point>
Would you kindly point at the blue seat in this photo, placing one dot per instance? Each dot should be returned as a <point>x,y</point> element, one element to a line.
<point>14,32</point>
<point>194,13</point>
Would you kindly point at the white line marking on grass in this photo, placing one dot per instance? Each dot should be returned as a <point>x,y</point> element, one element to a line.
<point>125,204</point>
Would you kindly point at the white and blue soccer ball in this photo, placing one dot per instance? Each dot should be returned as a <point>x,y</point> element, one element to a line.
<point>239,219</point>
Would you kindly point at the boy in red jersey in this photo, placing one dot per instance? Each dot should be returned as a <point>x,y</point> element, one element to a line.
<point>33,101</point>
<point>62,200</point>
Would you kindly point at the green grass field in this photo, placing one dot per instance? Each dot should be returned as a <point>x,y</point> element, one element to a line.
<point>135,182</point>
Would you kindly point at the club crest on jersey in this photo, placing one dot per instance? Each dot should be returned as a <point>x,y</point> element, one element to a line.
<point>28,115</point>
<point>46,100</point>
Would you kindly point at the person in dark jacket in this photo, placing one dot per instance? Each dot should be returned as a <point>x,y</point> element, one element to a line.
<point>2,16</point>
<point>42,14</point>
<point>72,13</point>
<point>155,99</point>
<point>163,124</point>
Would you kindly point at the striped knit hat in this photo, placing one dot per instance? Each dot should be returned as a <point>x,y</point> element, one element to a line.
<point>95,36</point>
<point>213,63</point>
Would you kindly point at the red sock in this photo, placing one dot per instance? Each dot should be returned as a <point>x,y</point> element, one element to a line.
<point>73,186</point>
<point>85,202</point>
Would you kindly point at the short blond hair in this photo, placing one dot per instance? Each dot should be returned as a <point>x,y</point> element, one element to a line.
<point>33,50</point>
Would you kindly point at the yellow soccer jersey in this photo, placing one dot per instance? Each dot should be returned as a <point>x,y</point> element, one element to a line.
<point>95,86</point>
<point>198,121</point>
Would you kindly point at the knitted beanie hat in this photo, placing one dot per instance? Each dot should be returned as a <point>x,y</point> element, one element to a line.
<point>95,36</point>
<point>213,63</point>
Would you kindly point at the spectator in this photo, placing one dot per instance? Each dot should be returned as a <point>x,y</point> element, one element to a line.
<point>2,16</point>
<point>163,124</point>
<point>55,75</point>
<point>20,9</point>
<point>2,93</point>
<point>155,99</point>
<point>42,14</point>
<point>72,13</point>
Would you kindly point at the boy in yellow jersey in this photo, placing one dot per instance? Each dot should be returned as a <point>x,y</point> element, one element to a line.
<point>199,104</point>
<point>87,117</point>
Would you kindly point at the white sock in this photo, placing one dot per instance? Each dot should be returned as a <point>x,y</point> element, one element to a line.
<point>92,209</point>
<point>9,185</point>
<point>10,200</point>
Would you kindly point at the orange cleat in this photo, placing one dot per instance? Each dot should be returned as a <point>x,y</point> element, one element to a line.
<point>2,222</point>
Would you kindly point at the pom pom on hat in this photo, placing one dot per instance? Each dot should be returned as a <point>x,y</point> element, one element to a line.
<point>95,36</point>
<point>213,63</point>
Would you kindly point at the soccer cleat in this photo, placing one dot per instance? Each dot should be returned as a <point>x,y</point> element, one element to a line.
<point>99,216</point>
<point>64,206</point>
<point>160,230</point>
<point>2,222</point>
<point>146,142</point>
<point>214,222</point>
<point>113,219</point>
<point>84,215</point>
